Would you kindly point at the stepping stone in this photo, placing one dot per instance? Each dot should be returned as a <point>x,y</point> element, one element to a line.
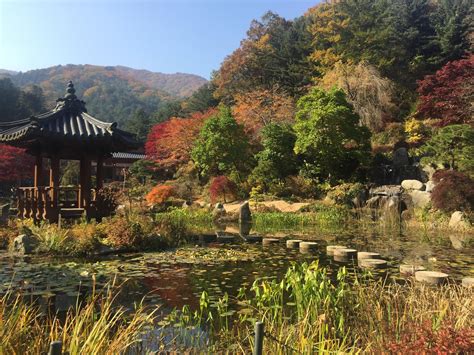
<point>225,238</point>
<point>468,281</point>
<point>368,255</point>
<point>410,269</point>
<point>345,253</point>
<point>268,241</point>
<point>253,238</point>
<point>293,243</point>
<point>431,277</point>
<point>308,246</point>
<point>330,248</point>
<point>373,263</point>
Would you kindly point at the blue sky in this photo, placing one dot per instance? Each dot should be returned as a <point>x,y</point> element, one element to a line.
<point>190,36</point>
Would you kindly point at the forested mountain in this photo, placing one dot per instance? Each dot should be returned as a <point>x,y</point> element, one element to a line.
<point>111,93</point>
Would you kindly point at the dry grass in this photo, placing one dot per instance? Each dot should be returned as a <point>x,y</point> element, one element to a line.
<point>97,326</point>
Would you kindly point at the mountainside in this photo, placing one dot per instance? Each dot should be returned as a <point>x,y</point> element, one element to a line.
<point>7,72</point>
<point>111,93</point>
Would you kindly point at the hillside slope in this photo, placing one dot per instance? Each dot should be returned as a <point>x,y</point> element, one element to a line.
<point>111,93</point>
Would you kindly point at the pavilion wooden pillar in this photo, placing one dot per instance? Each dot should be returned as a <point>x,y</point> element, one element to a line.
<point>35,199</point>
<point>100,173</point>
<point>52,210</point>
<point>85,181</point>
<point>38,171</point>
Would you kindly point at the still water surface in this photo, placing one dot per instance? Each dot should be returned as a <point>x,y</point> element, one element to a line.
<point>175,278</point>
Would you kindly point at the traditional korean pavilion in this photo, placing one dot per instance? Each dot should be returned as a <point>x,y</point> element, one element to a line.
<point>67,132</point>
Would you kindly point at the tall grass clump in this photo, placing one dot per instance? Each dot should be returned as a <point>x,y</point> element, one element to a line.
<point>193,220</point>
<point>321,216</point>
<point>312,311</point>
<point>97,326</point>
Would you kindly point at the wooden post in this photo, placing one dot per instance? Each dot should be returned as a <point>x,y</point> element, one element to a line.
<point>258,346</point>
<point>100,172</point>
<point>52,209</point>
<point>85,179</point>
<point>38,181</point>
<point>38,178</point>
<point>55,348</point>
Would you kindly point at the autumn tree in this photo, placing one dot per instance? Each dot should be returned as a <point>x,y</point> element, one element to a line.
<point>404,39</point>
<point>169,143</point>
<point>259,108</point>
<point>449,93</point>
<point>222,147</point>
<point>275,52</point>
<point>329,136</point>
<point>159,194</point>
<point>371,94</point>
<point>15,164</point>
<point>222,187</point>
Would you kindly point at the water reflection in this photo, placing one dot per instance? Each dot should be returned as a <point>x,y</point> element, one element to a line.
<point>218,264</point>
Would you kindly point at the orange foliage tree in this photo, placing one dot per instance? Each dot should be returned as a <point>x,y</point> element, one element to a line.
<point>159,194</point>
<point>258,108</point>
<point>169,143</point>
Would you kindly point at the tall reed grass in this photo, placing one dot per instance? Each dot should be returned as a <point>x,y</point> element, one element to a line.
<point>97,326</point>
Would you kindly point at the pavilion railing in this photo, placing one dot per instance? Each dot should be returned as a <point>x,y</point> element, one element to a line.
<point>44,202</point>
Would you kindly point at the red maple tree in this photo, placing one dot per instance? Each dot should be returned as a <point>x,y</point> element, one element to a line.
<point>222,187</point>
<point>169,143</point>
<point>448,94</point>
<point>15,164</point>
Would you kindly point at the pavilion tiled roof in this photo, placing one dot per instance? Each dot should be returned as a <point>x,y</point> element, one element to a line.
<point>70,121</point>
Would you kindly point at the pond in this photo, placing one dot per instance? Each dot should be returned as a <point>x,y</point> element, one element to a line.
<point>219,265</point>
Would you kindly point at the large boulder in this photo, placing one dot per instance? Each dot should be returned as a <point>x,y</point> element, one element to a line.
<point>420,198</point>
<point>460,240</point>
<point>459,221</point>
<point>386,190</point>
<point>25,243</point>
<point>400,157</point>
<point>245,215</point>
<point>412,185</point>
<point>429,186</point>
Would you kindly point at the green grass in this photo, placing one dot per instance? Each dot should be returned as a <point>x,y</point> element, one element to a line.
<point>323,217</point>
<point>192,220</point>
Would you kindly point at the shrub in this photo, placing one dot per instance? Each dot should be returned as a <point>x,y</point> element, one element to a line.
<point>345,194</point>
<point>107,200</point>
<point>452,146</point>
<point>159,194</point>
<point>392,134</point>
<point>86,237</point>
<point>7,234</point>
<point>415,130</point>
<point>122,233</point>
<point>222,188</point>
<point>424,339</point>
<point>453,191</point>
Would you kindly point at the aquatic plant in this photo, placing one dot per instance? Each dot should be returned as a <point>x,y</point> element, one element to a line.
<point>311,311</point>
